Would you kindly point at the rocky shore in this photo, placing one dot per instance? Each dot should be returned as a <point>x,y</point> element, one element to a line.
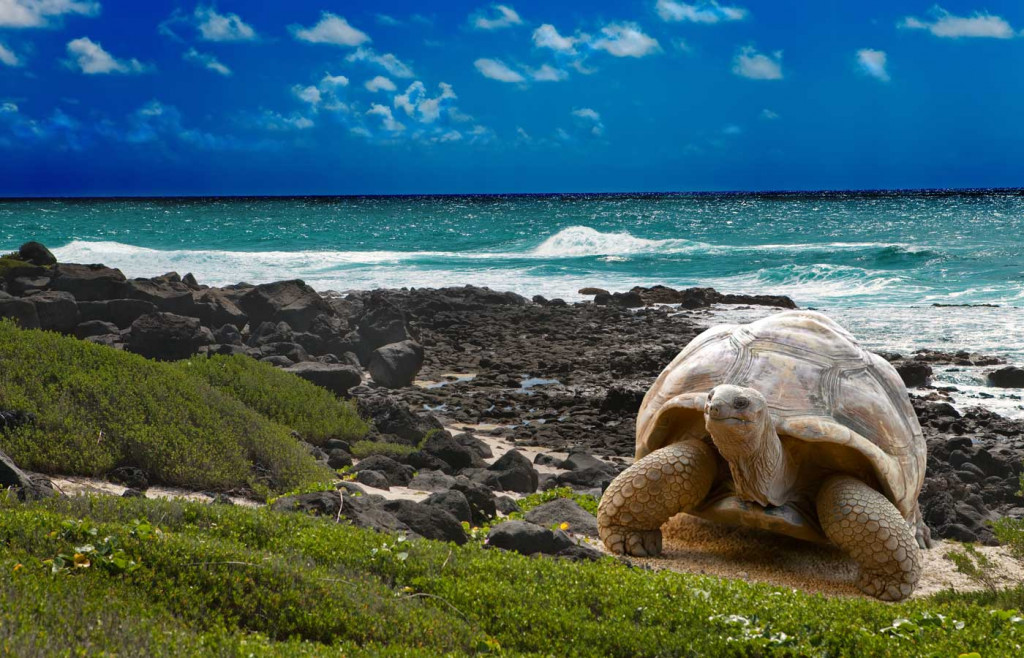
<point>538,373</point>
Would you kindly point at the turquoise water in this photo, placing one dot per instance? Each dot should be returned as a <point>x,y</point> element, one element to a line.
<point>877,261</point>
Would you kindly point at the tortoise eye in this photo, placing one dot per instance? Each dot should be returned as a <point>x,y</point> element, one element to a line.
<point>741,403</point>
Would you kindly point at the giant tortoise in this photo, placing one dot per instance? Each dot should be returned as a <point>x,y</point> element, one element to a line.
<point>786,424</point>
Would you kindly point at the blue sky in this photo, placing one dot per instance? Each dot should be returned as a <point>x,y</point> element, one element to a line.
<point>105,97</point>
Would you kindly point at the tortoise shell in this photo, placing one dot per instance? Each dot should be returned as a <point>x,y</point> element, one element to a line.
<point>821,386</point>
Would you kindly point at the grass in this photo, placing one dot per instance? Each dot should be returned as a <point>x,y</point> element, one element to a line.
<point>364,449</point>
<point>98,408</point>
<point>213,579</point>
<point>11,261</point>
<point>312,411</point>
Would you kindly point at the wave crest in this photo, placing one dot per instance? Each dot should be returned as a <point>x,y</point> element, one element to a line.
<point>580,241</point>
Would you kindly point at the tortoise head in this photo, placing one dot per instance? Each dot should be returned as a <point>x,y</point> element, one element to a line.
<point>736,418</point>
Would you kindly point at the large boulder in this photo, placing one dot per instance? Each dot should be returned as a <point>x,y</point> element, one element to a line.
<point>121,312</point>
<point>1008,377</point>
<point>383,324</point>
<point>167,337</point>
<point>396,365</point>
<point>335,378</point>
<point>528,538</point>
<point>170,296</point>
<point>482,501</point>
<point>293,302</point>
<point>89,283</point>
<point>446,448</point>
<point>215,309</point>
<point>428,521</point>
<point>37,254</point>
<point>914,373</point>
<point>453,502</point>
<point>515,472</point>
<point>96,328</point>
<point>394,417</point>
<point>563,510</point>
<point>57,310</point>
<point>398,475</point>
<point>11,475</point>
<point>21,311</point>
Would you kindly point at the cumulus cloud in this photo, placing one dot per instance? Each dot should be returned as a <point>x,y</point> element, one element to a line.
<point>8,56</point>
<point>90,58</point>
<point>872,63</point>
<point>213,26</point>
<point>277,122</point>
<point>590,119</point>
<point>206,61</point>
<point>546,36</point>
<point>495,69</point>
<point>43,13</point>
<point>700,12</point>
<point>333,81</point>
<point>496,18</point>
<point>420,106</point>
<point>548,73</point>
<point>946,25</point>
<point>754,65</point>
<point>387,61</point>
<point>387,119</point>
<point>331,29</point>
<point>380,83</point>
<point>309,94</point>
<point>626,40</point>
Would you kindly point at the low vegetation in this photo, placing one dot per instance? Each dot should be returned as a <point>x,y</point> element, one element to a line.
<point>364,449</point>
<point>97,408</point>
<point>312,411</point>
<point>212,579</point>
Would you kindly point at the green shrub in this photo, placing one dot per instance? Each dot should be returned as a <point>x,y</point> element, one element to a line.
<point>312,411</point>
<point>221,579</point>
<point>98,408</point>
<point>586,501</point>
<point>363,449</point>
<point>11,261</point>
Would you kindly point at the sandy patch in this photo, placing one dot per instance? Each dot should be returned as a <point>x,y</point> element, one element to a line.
<point>692,545</point>
<point>73,485</point>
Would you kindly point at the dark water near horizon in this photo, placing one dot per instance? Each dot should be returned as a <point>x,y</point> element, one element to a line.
<point>877,261</point>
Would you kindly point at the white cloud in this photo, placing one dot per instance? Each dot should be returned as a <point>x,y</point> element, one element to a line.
<point>873,62</point>
<point>387,119</point>
<point>503,16</point>
<point>732,129</point>
<point>8,56</point>
<point>769,115</point>
<point>276,122</point>
<point>546,36</point>
<point>390,21</point>
<point>331,29</point>
<point>751,64</point>
<point>380,83</point>
<point>548,73</point>
<point>10,108</point>
<point>590,119</point>
<point>333,81</point>
<point>495,69</point>
<point>222,27</point>
<point>206,61</point>
<point>421,107</point>
<point>37,13</point>
<point>953,27</point>
<point>626,40</point>
<point>309,94</point>
<point>90,58</point>
<point>700,12</point>
<point>387,61</point>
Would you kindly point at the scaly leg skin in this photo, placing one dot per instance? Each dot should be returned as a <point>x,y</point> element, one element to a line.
<point>668,481</point>
<point>870,529</point>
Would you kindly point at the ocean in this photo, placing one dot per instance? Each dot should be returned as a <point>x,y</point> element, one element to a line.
<point>878,262</point>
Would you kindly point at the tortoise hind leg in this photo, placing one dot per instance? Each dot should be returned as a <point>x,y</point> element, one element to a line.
<point>870,529</point>
<point>668,481</point>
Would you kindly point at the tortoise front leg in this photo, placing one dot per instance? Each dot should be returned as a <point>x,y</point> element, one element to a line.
<point>870,529</point>
<point>668,481</point>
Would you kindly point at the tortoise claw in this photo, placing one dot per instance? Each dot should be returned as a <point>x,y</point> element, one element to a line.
<point>627,541</point>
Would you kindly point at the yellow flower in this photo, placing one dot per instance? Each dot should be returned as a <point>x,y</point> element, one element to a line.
<point>18,566</point>
<point>81,562</point>
<point>564,526</point>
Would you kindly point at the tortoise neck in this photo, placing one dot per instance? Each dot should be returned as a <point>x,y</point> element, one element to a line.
<point>762,473</point>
